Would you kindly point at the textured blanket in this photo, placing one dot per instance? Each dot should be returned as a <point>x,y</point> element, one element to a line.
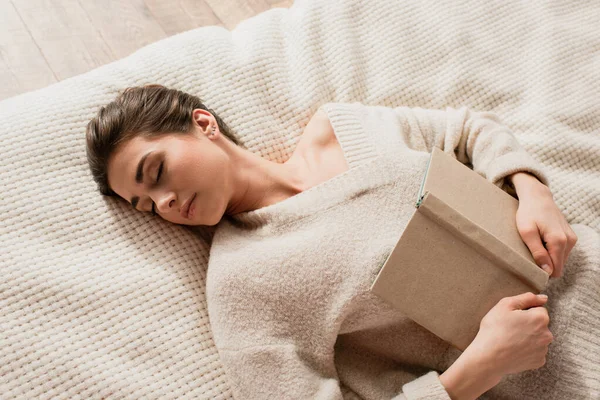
<point>99,301</point>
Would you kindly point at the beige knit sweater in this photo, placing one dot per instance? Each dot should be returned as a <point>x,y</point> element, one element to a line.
<point>288,284</point>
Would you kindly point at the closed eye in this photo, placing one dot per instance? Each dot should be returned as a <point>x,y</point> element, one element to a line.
<point>157,178</point>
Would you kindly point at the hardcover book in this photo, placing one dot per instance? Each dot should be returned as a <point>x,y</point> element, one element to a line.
<point>459,255</point>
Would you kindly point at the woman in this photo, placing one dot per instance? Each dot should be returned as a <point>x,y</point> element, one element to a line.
<point>297,245</point>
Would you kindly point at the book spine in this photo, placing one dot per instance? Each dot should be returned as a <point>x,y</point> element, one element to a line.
<point>482,241</point>
<point>420,194</point>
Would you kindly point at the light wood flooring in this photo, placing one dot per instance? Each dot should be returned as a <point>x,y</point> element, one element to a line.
<point>46,41</point>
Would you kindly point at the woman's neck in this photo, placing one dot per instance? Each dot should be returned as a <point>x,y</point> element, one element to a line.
<point>257,182</point>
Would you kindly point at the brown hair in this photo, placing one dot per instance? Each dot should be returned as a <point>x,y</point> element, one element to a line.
<point>147,111</point>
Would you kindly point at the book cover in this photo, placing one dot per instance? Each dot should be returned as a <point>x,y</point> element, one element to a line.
<point>459,254</point>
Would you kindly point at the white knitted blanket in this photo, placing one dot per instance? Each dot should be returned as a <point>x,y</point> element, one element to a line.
<point>99,301</point>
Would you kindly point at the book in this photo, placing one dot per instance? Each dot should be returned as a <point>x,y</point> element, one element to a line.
<point>459,254</point>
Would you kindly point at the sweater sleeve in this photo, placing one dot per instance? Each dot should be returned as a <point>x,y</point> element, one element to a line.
<point>282,372</point>
<point>426,387</point>
<point>475,138</point>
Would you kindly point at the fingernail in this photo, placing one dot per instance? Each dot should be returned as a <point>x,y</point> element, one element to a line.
<point>546,268</point>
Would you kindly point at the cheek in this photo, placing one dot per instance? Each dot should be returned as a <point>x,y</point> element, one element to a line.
<point>210,200</point>
<point>202,169</point>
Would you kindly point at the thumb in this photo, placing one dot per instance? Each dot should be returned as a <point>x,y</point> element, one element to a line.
<point>527,300</point>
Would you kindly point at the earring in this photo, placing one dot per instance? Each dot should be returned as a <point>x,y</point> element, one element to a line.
<point>213,131</point>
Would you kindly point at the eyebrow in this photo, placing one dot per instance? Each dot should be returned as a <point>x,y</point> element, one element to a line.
<point>139,177</point>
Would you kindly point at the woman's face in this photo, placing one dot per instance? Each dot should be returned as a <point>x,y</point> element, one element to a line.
<point>187,166</point>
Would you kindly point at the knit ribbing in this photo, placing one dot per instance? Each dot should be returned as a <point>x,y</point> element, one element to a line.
<point>427,386</point>
<point>576,364</point>
<point>582,350</point>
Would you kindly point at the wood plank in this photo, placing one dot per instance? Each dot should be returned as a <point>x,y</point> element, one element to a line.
<point>22,66</point>
<point>201,13</point>
<point>65,36</point>
<point>171,16</point>
<point>9,82</point>
<point>232,12</point>
<point>280,3</point>
<point>126,26</point>
<point>45,41</point>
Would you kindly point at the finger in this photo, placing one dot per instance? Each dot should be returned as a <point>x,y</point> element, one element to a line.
<point>565,252</point>
<point>525,301</point>
<point>556,244</point>
<point>531,237</point>
<point>571,241</point>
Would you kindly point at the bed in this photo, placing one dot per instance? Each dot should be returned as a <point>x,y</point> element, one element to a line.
<point>99,301</point>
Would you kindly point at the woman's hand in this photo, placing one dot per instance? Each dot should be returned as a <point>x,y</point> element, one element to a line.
<point>513,336</point>
<point>542,225</point>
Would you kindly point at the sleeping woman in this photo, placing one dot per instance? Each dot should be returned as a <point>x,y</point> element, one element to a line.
<point>297,245</point>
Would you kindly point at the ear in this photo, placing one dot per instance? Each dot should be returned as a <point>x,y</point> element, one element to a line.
<point>203,119</point>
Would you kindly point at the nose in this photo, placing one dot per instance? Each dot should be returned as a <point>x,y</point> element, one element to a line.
<point>165,203</point>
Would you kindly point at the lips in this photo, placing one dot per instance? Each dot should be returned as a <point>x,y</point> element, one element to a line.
<point>185,210</point>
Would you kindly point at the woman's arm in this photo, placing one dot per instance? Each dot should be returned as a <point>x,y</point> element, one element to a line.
<point>288,372</point>
<point>468,378</point>
<point>541,224</point>
<point>479,138</point>
<point>476,138</point>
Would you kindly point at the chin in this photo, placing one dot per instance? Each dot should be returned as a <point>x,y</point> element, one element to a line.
<point>213,223</point>
<point>217,215</point>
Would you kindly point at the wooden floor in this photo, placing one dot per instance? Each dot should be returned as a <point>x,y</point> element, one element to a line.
<point>46,41</point>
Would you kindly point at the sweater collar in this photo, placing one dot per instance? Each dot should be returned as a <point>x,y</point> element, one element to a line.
<point>358,151</point>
